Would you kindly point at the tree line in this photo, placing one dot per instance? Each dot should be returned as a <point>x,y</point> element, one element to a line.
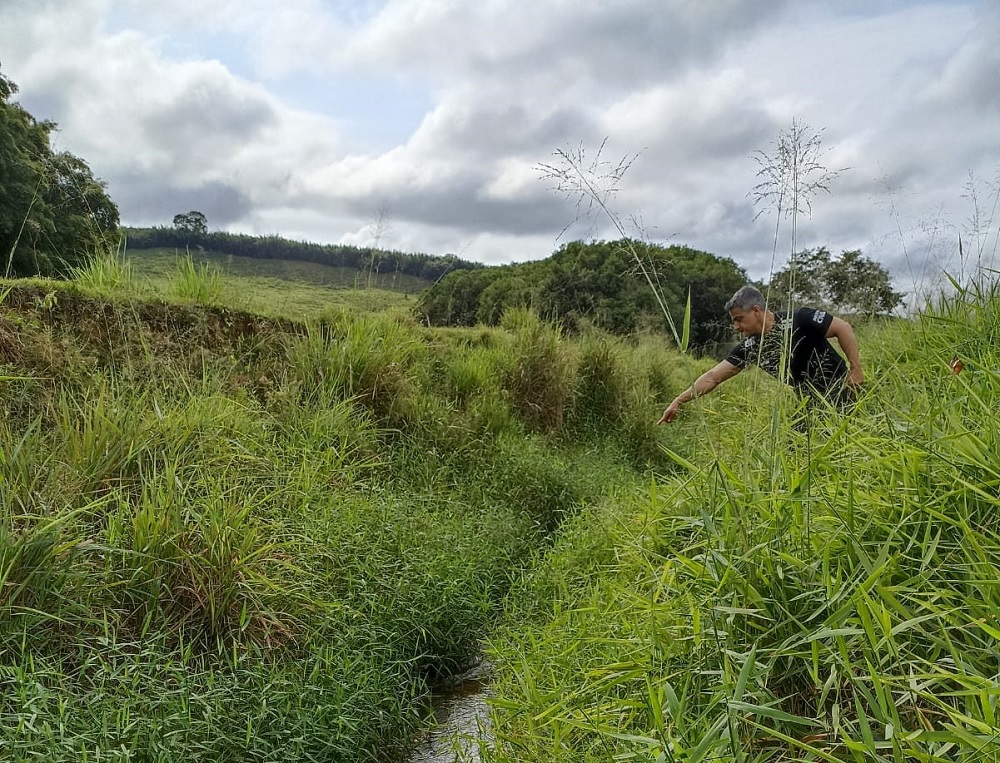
<point>54,214</point>
<point>190,232</point>
<point>626,286</point>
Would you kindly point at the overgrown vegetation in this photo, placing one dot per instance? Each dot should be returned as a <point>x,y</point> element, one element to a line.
<point>818,595</point>
<point>796,593</point>
<point>232,537</point>
<point>226,537</point>
<point>602,283</point>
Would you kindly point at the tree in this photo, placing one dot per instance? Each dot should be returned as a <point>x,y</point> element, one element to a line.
<point>860,285</point>
<point>54,214</point>
<point>851,284</point>
<point>454,300</point>
<point>83,206</point>
<point>193,222</point>
<point>802,281</point>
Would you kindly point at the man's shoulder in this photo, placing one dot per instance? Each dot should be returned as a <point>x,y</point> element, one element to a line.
<point>812,316</point>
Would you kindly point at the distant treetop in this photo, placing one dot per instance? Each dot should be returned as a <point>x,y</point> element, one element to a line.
<point>597,283</point>
<point>191,222</point>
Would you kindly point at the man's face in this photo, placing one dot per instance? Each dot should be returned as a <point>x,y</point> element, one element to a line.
<point>748,322</point>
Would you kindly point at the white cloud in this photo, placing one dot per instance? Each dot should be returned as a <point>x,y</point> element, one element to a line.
<point>255,113</point>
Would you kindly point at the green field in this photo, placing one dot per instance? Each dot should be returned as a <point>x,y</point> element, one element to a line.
<point>229,537</point>
<point>280,288</point>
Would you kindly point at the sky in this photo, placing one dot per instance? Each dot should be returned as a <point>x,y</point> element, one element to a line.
<point>468,127</point>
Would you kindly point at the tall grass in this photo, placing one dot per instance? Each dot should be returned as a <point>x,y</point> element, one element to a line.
<point>200,283</point>
<point>106,273</point>
<point>820,595</point>
<point>237,540</point>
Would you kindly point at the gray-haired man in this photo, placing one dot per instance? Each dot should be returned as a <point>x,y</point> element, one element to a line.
<point>794,346</point>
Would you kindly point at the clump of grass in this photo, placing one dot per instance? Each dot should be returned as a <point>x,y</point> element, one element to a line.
<point>202,559</point>
<point>107,272</point>
<point>35,566</point>
<point>467,371</point>
<point>198,283</point>
<point>540,373</point>
<point>362,358</point>
<point>603,386</point>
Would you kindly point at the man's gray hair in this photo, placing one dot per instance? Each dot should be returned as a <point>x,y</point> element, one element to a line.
<point>746,299</point>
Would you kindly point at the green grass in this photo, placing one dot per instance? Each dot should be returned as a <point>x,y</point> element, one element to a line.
<point>276,288</point>
<point>821,595</point>
<point>230,538</point>
<point>226,538</point>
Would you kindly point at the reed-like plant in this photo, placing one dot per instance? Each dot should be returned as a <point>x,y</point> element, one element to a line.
<point>592,184</point>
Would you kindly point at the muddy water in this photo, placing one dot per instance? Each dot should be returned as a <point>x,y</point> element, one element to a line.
<point>460,721</point>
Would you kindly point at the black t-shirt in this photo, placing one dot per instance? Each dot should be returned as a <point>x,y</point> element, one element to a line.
<point>812,362</point>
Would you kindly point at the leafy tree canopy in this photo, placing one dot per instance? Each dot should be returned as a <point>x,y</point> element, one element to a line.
<point>850,284</point>
<point>54,214</point>
<point>620,286</point>
<point>191,222</point>
<point>425,266</point>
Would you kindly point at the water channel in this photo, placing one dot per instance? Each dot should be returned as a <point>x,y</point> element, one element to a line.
<point>461,720</point>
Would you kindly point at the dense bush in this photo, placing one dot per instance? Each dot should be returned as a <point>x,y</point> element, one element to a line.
<point>619,286</point>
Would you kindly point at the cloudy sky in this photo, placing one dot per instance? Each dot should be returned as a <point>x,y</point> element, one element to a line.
<point>422,125</point>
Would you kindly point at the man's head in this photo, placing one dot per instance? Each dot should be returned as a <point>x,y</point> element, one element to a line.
<point>748,312</point>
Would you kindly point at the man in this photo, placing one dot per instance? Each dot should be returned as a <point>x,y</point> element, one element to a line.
<point>796,347</point>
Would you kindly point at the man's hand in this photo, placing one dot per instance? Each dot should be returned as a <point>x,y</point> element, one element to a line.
<point>855,377</point>
<point>670,413</point>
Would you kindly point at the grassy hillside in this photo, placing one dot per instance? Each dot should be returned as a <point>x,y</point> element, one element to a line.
<point>227,537</point>
<point>832,594</point>
<point>276,288</point>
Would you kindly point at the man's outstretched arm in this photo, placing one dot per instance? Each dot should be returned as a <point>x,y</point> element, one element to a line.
<point>841,331</point>
<point>704,384</point>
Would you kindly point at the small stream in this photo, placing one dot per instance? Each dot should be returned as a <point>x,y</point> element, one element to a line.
<point>461,720</point>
